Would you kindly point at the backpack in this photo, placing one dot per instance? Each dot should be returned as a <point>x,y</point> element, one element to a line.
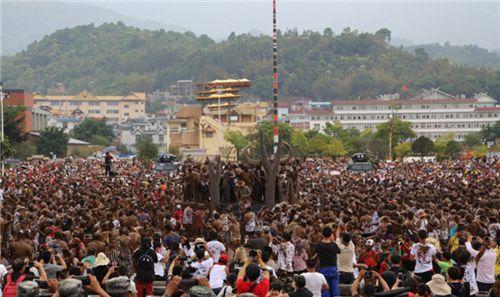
<point>10,288</point>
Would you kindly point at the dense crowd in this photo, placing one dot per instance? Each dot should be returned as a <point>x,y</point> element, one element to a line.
<point>115,228</point>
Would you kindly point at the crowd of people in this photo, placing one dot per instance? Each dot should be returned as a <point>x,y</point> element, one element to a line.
<point>403,229</point>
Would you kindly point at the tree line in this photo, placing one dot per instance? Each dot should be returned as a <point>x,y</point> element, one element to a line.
<point>115,59</point>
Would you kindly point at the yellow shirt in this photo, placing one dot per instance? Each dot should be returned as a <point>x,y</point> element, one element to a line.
<point>454,242</point>
<point>497,265</point>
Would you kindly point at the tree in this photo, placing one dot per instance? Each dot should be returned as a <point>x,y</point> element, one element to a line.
<point>90,128</point>
<point>146,149</point>
<point>334,148</point>
<point>403,149</point>
<point>14,124</point>
<point>423,146</point>
<point>479,151</point>
<point>237,139</point>
<point>401,130</point>
<point>300,143</point>
<point>384,33</point>
<point>99,140</point>
<point>214,175</point>
<point>226,151</point>
<point>441,142</point>
<point>491,133</point>
<point>23,150</point>
<point>318,145</point>
<point>453,149</point>
<point>52,140</point>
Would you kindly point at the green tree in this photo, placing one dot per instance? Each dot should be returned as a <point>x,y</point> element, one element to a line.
<point>401,130</point>
<point>479,151</point>
<point>384,33</point>
<point>453,149</point>
<point>403,149</point>
<point>334,148</point>
<point>52,140</point>
<point>472,139</point>
<point>23,150</point>
<point>237,139</point>
<point>423,146</point>
<point>99,140</point>
<point>14,124</point>
<point>300,143</point>
<point>90,128</point>
<point>491,133</point>
<point>441,142</point>
<point>146,149</point>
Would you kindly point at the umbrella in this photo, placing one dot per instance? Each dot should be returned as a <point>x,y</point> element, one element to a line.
<point>108,149</point>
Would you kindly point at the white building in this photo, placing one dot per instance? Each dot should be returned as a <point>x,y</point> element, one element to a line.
<point>432,113</point>
<point>131,131</point>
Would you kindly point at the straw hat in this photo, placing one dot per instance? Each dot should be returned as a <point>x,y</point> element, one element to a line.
<point>439,286</point>
<point>101,260</point>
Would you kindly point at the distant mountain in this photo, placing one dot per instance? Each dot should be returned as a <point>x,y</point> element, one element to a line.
<point>470,55</point>
<point>25,22</point>
<point>116,59</point>
<point>398,41</point>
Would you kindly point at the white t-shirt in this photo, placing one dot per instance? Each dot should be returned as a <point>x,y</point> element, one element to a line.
<point>216,247</point>
<point>314,282</point>
<point>203,267</point>
<point>486,265</point>
<point>217,276</point>
<point>423,256</point>
<point>159,269</point>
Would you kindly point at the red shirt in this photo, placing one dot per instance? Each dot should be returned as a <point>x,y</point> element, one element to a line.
<point>260,290</point>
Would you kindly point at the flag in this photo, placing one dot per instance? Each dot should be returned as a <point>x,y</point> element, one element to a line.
<point>404,88</point>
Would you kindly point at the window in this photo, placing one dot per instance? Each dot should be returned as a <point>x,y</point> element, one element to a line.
<point>112,111</point>
<point>54,103</point>
<point>75,103</point>
<point>125,106</point>
<point>113,103</point>
<point>94,103</point>
<point>161,138</point>
<point>183,125</point>
<point>94,111</point>
<point>174,130</point>
<point>126,114</point>
<point>209,134</point>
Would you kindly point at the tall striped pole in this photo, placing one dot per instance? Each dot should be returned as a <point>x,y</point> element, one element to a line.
<point>275,79</point>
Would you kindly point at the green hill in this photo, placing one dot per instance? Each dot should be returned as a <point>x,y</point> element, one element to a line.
<point>114,59</point>
<point>470,55</point>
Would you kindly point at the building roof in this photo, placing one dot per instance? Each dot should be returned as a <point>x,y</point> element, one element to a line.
<point>490,108</point>
<point>401,102</point>
<point>88,96</point>
<point>319,112</point>
<point>189,111</point>
<point>74,141</point>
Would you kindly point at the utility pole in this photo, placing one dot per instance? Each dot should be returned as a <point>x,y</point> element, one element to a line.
<point>2,153</point>
<point>275,80</point>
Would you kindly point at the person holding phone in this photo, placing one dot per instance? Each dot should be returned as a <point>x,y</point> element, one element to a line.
<point>253,277</point>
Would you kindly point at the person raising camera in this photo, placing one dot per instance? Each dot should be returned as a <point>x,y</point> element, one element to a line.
<point>253,277</point>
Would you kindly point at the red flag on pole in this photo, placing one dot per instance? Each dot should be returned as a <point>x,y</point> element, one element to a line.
<point>404,88</point>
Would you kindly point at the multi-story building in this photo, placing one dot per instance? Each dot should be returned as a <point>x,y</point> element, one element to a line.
<point>112,108</point>
<point>34,119</point>
<point>182,88</point>
<point>132,130</point>
<point>432,113</point>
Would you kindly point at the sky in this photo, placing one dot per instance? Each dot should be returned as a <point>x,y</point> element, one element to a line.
<point>421,22</point>
<point>459,22</point>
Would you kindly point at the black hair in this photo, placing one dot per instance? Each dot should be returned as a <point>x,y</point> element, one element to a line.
<point>276,286</point>
<point>46,256</point>
<point>287,236</point>
<point>422,234</point>
<point>368,290</point>
<point>252,272</point>
<point>346,237</point>
<point>454,273</point>
<point>18,264</point>
<point>327,232</point>
<point>396,259</point>
<point>145,243</point>
<point>447,255</point>
<point>300,281</point>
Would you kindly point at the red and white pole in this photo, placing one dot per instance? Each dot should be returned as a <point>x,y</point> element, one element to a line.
<point>275,80</point>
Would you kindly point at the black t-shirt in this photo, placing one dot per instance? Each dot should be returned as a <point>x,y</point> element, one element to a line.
<point>327,253</point>
<point>145,261</point>
<point>304,292</point>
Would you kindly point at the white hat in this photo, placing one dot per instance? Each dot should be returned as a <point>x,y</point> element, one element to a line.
<point>101,260</point>
<point>439,286</point>
<point>370,242</point>
<point>199,240</point>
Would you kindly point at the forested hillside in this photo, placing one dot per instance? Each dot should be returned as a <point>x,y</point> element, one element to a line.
<point>114,59</point>
<point>470,55</point>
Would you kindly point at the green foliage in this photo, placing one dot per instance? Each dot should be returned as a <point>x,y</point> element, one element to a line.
<point>285,131</point>
<point>94,131</point>
<point>334,148</point>
<point>479,151</point>
<point>237,139</point>
<point>491,133</point>
<point>423,146</point>
<point>441,142</point>
<point>6,149</point>
<point>84,152</point>
<point>472,139</point>
<point>471,55</point>
<point>99,140</point>
<point>14,124</point>
<point>52,140</point>
<point>403,149</point>
<point>23,150</point>
<point>173,150</point>
<point>146,149</point>
<point>401,130</point>
<point>114,59</point>
<point>453,149</point>
<point>299,143</point>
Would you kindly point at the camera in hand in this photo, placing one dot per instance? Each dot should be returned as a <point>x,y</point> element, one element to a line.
<point>252,254</point>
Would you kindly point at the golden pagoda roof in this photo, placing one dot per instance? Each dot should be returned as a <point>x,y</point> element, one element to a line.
<point>217,96</point>
<point>215,91</point>
<point>228,82</point>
